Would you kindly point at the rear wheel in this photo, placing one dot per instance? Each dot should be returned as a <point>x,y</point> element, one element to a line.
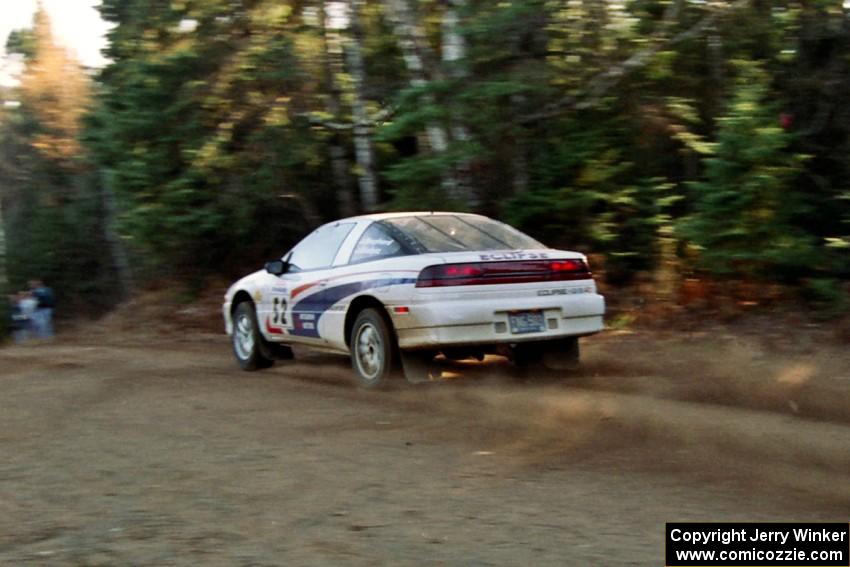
<point>373,353</point>
<point>247,340</point>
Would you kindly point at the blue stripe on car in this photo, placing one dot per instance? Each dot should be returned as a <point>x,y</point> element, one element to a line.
<point>309,310</point>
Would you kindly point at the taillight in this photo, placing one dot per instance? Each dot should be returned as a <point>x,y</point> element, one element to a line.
<point>560,266</point>
<point>484,273</point>
<point>462,271</point>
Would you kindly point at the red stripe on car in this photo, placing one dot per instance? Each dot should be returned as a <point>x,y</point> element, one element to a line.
<point>272,330</point>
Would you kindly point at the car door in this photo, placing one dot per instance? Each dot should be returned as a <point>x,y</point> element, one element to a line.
<point>292,303</point>
<point>358,270</point>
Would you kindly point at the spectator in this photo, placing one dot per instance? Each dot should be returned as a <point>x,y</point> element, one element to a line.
<point>17,323</point>
<point>43,316</point>
<point>26,307</point>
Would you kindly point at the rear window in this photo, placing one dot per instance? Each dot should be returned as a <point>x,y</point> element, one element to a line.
<point>453,233</point>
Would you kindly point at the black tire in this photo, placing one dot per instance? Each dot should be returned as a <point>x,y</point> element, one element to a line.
<point>247,340</point>
<point>373,350</point>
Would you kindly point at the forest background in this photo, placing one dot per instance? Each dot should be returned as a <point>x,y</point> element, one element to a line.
<point>693,148</point>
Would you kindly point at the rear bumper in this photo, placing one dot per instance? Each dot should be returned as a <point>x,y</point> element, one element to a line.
<point>477,320</point>
<point>434,337</point>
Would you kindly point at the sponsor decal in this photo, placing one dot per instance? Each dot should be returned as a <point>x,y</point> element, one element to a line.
<point>296,291</point>
<point>518,255</point>
<point>257,295</point>
<point>308,312</point>
<point>302,288</point>
<point>374,246</point>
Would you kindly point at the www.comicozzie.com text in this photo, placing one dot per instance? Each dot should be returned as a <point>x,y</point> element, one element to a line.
<point>726,536</point>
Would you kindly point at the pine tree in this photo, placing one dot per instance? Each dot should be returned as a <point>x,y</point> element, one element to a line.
<point>743,209</point>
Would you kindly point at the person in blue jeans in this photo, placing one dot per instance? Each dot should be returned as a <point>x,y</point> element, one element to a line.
<point>22,306</point>
<point>18,322</point>
<point>43,316</point>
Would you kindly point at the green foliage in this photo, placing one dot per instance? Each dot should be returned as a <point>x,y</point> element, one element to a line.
<point>588,195</point>
<point>827,296</point>
<point>224,129</point>
<point>22,42</point>
<point>196,130</point>
<point>745,207</point>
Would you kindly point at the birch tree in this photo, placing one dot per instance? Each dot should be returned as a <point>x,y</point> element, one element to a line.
<point>332,67</point>
<point>414,48</point>
<point>362,129</point>
<point>454,63</point>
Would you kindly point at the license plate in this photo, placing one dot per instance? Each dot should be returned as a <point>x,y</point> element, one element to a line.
<point>526,322</point>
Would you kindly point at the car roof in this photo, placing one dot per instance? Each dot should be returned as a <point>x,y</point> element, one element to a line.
<point>384,216</point>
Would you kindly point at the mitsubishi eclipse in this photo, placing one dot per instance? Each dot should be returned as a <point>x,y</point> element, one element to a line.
<point>394,290</point>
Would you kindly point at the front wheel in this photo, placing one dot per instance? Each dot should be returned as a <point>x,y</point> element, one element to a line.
<point>372,350</point>
<point>247,340</point>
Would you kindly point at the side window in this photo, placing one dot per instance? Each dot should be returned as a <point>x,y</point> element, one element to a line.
<point>319,248</point>
<point>376,243</point>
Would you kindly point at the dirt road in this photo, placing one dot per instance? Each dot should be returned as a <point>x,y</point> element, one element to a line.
<point>121,451</point>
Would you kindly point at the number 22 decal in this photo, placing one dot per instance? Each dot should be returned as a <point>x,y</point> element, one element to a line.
<point>279,311</point>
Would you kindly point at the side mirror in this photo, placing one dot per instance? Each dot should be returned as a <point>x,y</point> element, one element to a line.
<point>277,267</point>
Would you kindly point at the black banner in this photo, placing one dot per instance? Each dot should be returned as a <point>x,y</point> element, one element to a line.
<point>757,544</point>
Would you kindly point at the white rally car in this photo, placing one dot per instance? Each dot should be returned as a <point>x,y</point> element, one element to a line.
<point>396,289</point>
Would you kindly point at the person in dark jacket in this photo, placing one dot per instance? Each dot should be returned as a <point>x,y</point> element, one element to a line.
<point>43,316</point>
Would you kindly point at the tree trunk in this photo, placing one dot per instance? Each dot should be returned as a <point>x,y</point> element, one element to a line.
<point>716,62</point>
<point>454,59</point>
<point>519,156</point>
<point>454,45</point>
<point>120,258</point>
<point>411,42</point>
<point>339,165</point>
<point>519,167</point>
<point>362,128</point>
<point>339,169</point>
